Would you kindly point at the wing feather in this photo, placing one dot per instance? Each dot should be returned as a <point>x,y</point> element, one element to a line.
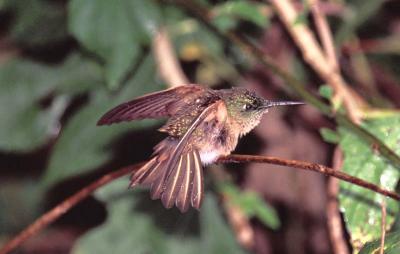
<point>154,105</point>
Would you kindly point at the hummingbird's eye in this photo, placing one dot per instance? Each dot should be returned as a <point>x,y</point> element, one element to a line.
<point>247,106</point>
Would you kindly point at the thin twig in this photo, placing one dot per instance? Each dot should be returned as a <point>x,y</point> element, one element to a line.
<point>86,191</point>
<point>383,227</point>
<point>63,207</point>
<point>335,228</point>
<point>236,158</point>
<point>325,33</point>
<point>167,63</point>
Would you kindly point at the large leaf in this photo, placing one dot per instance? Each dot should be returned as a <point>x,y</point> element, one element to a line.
<point>24,123</point>
<point>361,207</point>
<point>82,146</point>
<point>114,30</point>
<point>137,224</point>
<point>392,245</point>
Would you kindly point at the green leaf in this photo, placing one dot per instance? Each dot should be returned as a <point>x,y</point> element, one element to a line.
<point>87,143</point>
<point>392,245</point>
<point>137,224</point>
<point>114,30</point>
<point>24,123</point>
<point>329,135</point>
<point>251,204</point>
<point>302,18</point>
<point>36,22</point>
<point>226,14</point>
<point>326,91</point>
<point>361,207</point>
<point>359,12</point>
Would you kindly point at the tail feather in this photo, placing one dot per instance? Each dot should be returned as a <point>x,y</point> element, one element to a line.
<point>197,191</point>
<point>174,182</point>
<point>180,184</point>
<point>183,198</point>
<point>138,175</point>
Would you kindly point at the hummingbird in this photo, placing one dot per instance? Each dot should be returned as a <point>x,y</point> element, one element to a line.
<point>203,125</point>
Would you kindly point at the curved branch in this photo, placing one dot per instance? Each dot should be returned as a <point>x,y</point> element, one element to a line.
<point>63,207</point>
<point>237,158</point>
<point>86,191</point>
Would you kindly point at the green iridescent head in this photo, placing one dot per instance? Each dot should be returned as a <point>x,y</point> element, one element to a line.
<point>247,108</point>
<point>242,101</point>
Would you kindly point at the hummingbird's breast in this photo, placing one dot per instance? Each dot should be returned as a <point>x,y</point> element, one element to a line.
<point>221,142</point>
<point>213,137</point>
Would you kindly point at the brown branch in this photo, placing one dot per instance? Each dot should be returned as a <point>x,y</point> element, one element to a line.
<point>63,207</point>
<point>383,227</point>
<point>167,63</point>
<point>237,158</point>
<point>324,33</point>
<point>85,192</point>
<point>335,228</point>
<point>313,55</point>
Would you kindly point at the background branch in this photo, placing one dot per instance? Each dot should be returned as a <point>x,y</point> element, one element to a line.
<point>167,64</point>
<point>202,14</point>
<point>313,55</point>
<point>383,227</point>
<point>86,191</point>
<point>334,220</point>
<point>324,33</point>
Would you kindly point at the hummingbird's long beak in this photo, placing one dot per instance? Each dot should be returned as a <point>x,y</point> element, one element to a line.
<point>270,104</point>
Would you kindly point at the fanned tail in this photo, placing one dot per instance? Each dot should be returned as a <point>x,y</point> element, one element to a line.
<point>179,183</point>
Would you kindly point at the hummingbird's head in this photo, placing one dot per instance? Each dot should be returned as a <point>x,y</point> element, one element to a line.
<point>246,108</point>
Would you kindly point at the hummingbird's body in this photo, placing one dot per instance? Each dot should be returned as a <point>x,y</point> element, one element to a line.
<point>204,124</point>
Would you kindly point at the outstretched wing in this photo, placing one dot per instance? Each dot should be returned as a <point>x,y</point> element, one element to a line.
<point>175,174</point>
<point>154,105</point>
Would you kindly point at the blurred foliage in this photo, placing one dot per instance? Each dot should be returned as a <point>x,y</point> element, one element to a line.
<point>28,124</point>
<point>36,22</point>
<point>227,15</point>
<point>81,134</point>
<point>136,224</point>
<point>108,60</point>
<point>21,203</point>
<point>250,203</point>
<point>115,31</point>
